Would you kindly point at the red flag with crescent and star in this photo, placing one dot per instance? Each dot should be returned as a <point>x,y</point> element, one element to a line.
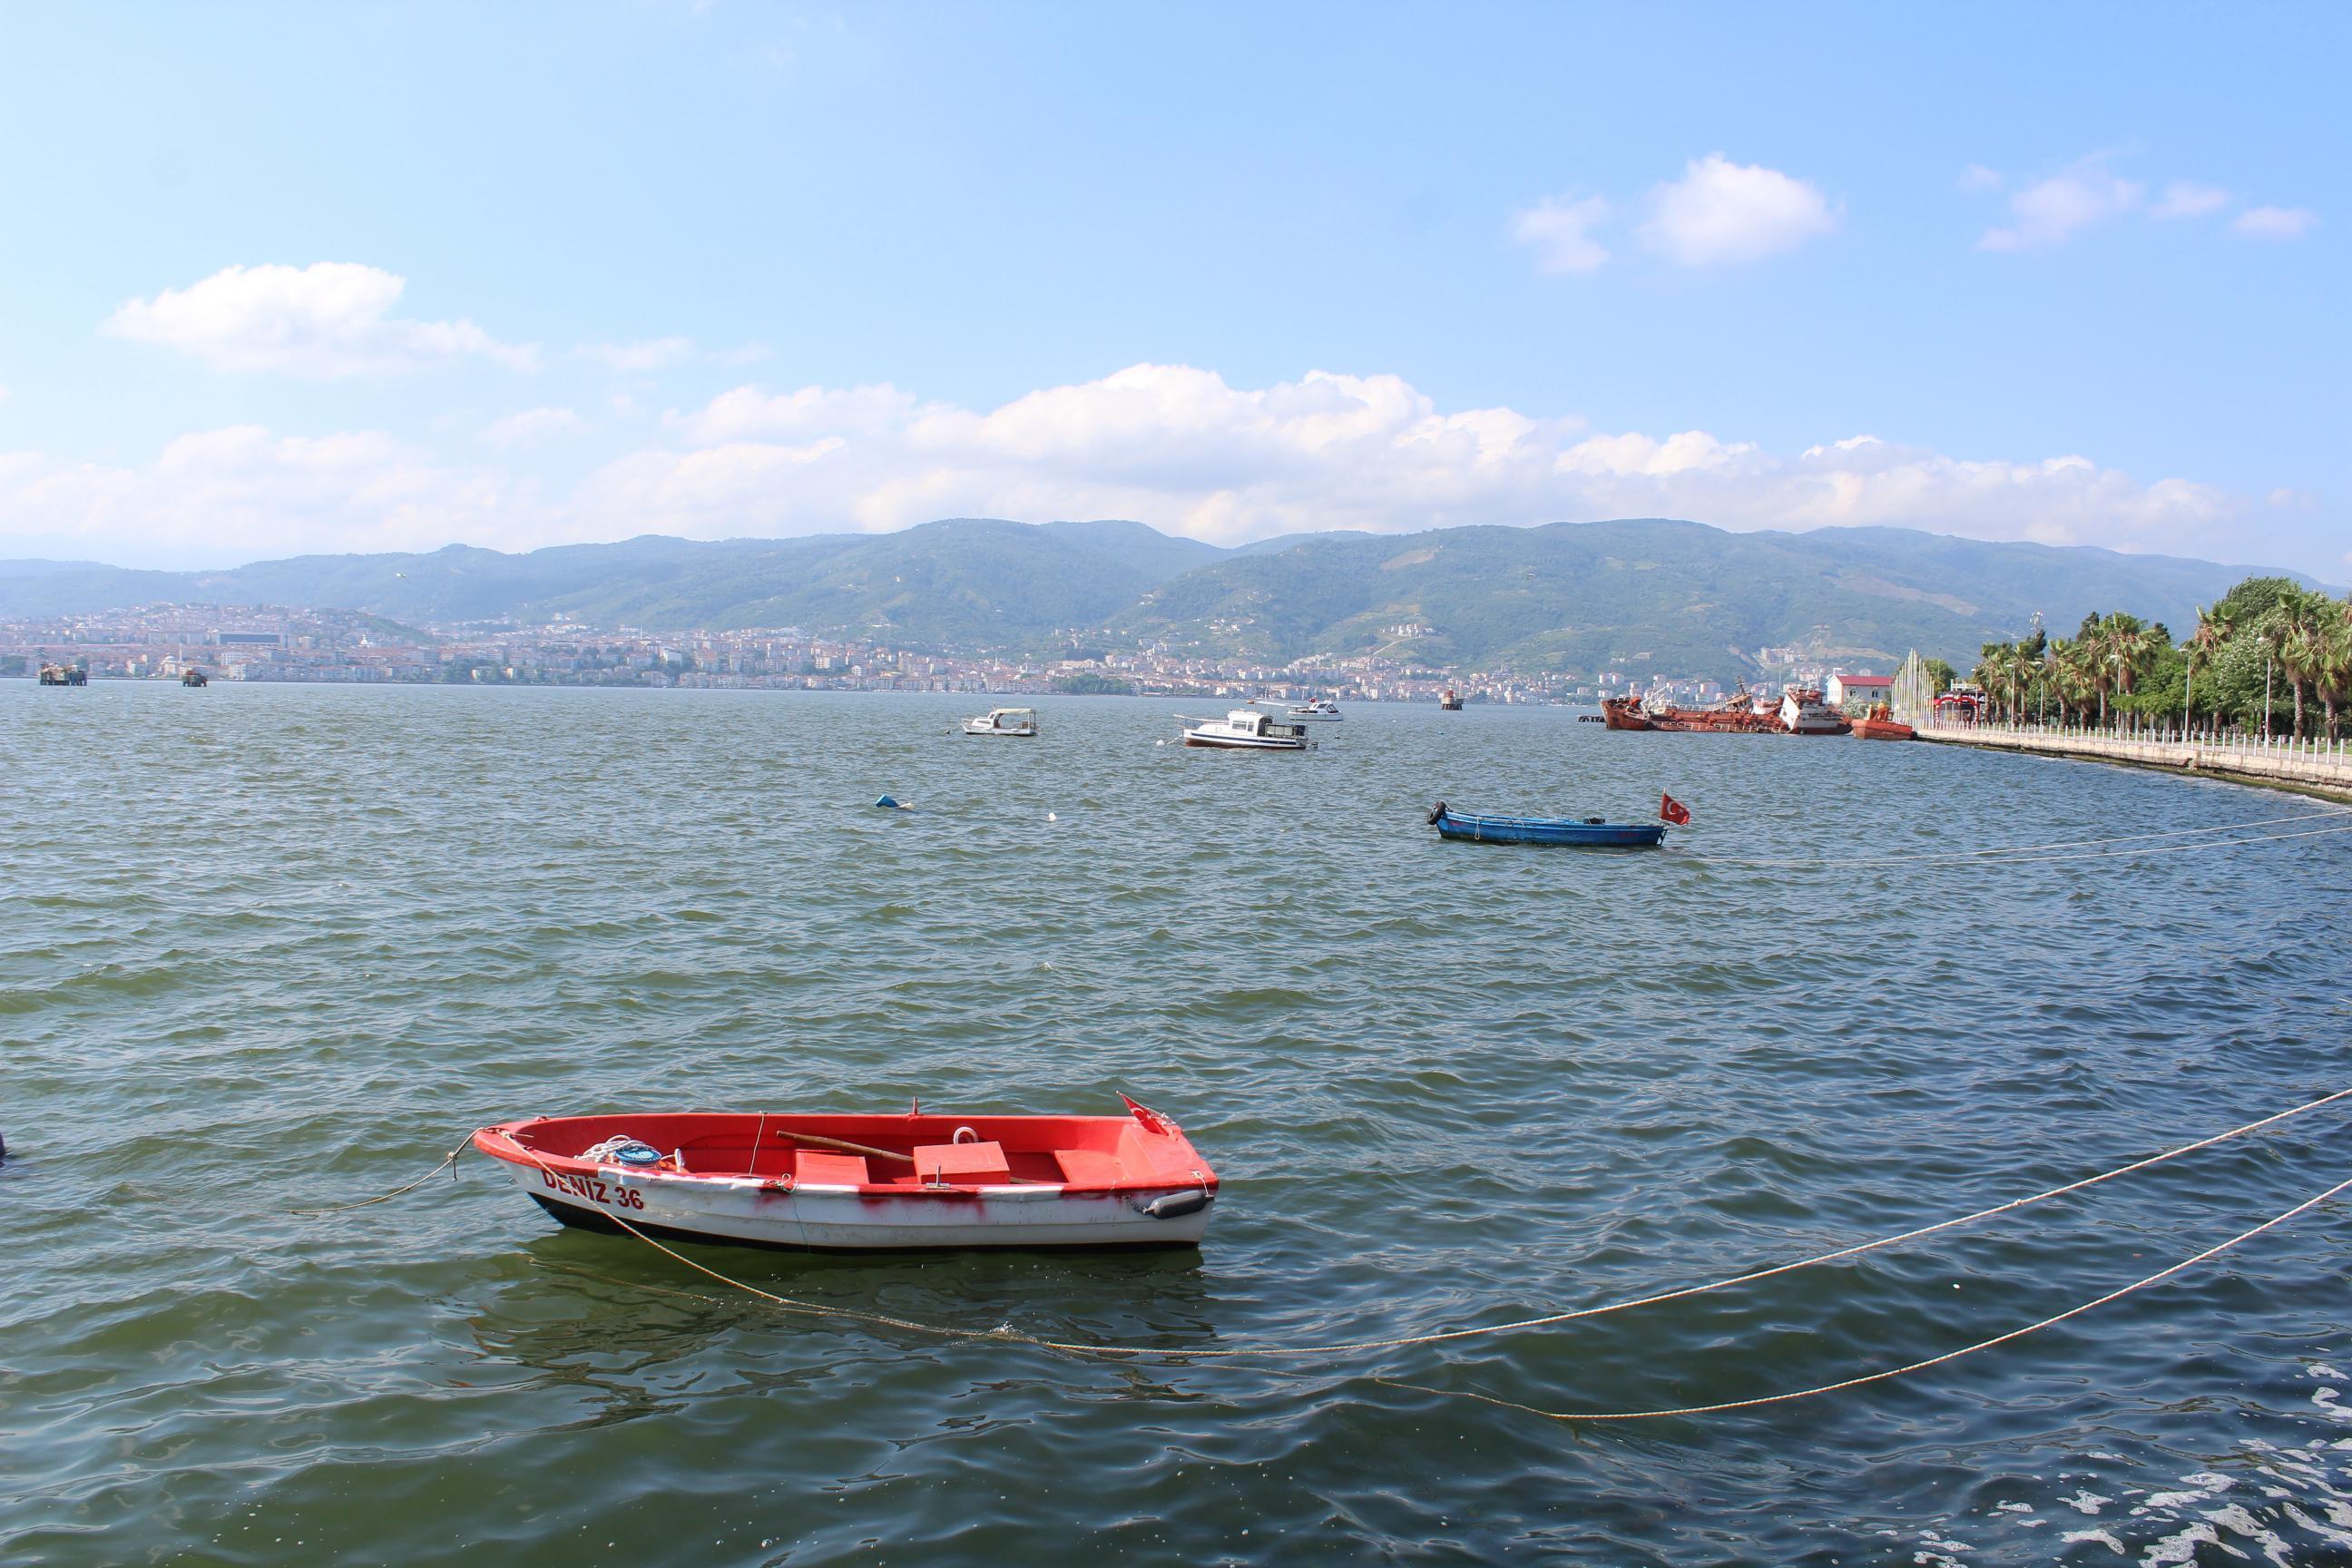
<point>1673,810</point>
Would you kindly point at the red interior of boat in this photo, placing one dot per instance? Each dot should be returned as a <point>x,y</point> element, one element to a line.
<point>1086,1152</point>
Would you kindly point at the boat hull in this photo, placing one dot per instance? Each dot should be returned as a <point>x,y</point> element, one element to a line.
<point>1624,713</point>
<point>1882,730</point>
<point>790,1180</point>
<point>1469,828</point>
<point>1803,713</point>
<point>1244,742</point>
<point>746,1212</point>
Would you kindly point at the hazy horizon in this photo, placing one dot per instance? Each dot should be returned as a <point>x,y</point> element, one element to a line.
<point>235,563</point>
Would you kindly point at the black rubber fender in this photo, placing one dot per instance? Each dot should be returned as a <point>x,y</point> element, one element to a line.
<point>1176,1205</point>
<point>1436,812</point>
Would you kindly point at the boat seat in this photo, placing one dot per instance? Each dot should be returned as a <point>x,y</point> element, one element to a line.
<point>962,1162</point>
<point>1088,1167</point>
<point>829,1170</point>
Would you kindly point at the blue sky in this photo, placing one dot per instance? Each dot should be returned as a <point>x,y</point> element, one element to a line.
<point>349,277</point>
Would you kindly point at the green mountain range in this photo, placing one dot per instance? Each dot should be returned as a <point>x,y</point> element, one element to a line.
<point>1668,596</point>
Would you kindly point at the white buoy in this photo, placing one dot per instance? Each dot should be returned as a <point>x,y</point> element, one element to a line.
<point>1051,817</point>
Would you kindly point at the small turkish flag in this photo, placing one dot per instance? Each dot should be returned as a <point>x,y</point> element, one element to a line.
<point>1672,810</point>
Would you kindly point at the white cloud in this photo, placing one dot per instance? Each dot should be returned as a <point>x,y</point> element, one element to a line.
<point>747,353</point>
<point>2051,212</point>
<point>2274,223</point>
<point>329,319</point>
<point>243,493</point>
<point>1175,446</point>
<point>1721,211</point>
<point>2186,198</point>
<point>1560,230</point>
<point>531,424</point>
<point>749,412</point>
<point>1976,177</point>
<point>1182,449</point>
<point>637,358</point>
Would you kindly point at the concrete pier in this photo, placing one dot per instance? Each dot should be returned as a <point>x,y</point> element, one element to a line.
<point>2300,764</point>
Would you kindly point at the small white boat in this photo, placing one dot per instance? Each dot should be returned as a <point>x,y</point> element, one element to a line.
<point>1322,711</point>
<point>1003,721</point>
<point>1245,729</point>
<point>858,1182</point>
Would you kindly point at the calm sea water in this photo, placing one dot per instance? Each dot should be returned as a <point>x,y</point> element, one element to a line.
<point>273,946</point>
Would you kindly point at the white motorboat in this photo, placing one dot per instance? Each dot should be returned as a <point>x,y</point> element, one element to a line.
<point>1003,721</point>
<point>1322,711</point>
<point>1245,729</point>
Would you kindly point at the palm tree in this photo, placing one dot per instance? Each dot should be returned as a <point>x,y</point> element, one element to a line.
<point>1996,673</point>
<point>2299,640</point>
<point>2131,645</point>
<point>2332,657</point>
<point>2091,660</point>
<point>2012,675</point>
<point>2113,642</point>
<point>2071,677</point>
<point>1982,675</point>
<point>2213,629</point>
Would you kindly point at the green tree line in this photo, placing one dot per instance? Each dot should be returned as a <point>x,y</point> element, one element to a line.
<point>2271,656</point>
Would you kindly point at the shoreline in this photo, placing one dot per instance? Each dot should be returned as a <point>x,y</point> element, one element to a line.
<point>2317,777</point>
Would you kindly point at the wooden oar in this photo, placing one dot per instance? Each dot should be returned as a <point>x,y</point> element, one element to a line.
<point>844,1143</point>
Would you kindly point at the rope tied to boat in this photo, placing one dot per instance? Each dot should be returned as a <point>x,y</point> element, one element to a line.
<point>1346,1348</point>
<point>1006,1334</point>
<point>1840,1386</point>
<point>449,1162</point>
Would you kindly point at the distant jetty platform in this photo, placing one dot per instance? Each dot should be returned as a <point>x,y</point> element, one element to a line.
<point>2316,766</point>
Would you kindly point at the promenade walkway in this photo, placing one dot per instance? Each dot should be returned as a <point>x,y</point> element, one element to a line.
<point>2322,765</point>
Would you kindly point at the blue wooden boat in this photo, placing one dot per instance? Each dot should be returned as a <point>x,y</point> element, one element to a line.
<point>1591,832</point>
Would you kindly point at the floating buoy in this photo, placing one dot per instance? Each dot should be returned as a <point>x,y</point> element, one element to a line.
<point>888,802</point>
<point>1051,817</point>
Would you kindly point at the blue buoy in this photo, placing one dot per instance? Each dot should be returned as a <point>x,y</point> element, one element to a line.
<point>888,804</point>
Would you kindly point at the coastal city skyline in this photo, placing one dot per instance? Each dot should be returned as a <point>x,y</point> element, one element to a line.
<point>271,644</point>
<point>1377,273</point>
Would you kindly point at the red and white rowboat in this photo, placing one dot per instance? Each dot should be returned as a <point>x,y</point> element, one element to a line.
<point>860,1183</point>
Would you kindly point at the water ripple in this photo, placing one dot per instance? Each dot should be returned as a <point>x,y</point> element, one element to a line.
<point>274,946</point>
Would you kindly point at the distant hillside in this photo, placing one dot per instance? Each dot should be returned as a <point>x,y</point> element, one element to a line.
<point>966,581</point>
<point>1687,597</point>
<point>1677,597</point>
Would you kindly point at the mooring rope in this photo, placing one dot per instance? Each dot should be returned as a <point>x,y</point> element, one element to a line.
<point>1781,1398</point>
<point>446,1161</point>
<point>2026,854</point>
<point>1349,1347</point>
